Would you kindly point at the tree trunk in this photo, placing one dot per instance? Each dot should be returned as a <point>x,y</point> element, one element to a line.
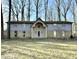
<point>22,14</point>
<point>9,19</point>
<point>37,9</point>
<point>46,7</point>
<point>59,15</point>
<point>2,24</point>
<point>28,10</point>
<point>76,2</point>
<point>13,15</point>
<point>65,17</point>
<point>17,16</point>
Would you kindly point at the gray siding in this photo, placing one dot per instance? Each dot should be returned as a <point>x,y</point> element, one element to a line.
<point>20,27</point>
<point>59,27</point>
<point>50,30</point>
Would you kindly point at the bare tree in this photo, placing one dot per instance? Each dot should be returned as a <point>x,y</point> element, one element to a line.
<point>65,6</point>
<point>46,8</point>
<point>37,5</point>
<point>2,25</point>
<point>76,1</point>
<point>49,13</point>
<point>13,14</point>
<point>73,11</point>
<point>22,9</point>
<point>16,8</point>
<point>9,19</point>
<point>58,8</point>
<point>28,10</point>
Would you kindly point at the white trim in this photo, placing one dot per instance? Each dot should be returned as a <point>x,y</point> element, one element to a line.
<point>37,22</point>
<point>63,33</point>
<point>46,32</point>
<point>54,33</point>
<point>31,32</point>
<point>36,35</point>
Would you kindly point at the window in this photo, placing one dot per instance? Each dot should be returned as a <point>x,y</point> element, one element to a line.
<point>54,33</point>
<point>38,33</point>
<point>38,26</point>
<point>23,33</point>
<point>63,33</point>
<point>15,33</point>
<point>54,24</point>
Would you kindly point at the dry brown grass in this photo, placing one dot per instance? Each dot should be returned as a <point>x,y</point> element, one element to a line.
<point>38,49</point>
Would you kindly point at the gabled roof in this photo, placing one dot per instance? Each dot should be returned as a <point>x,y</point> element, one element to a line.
<point>45,22</point>
<point>39,20</point>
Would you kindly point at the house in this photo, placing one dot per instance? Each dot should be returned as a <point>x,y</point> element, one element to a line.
<point>40,29</point>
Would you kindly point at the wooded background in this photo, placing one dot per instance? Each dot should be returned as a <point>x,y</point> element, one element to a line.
<point>30,10</point>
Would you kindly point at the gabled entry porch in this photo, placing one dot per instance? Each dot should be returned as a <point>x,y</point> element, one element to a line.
<point>39,29</point>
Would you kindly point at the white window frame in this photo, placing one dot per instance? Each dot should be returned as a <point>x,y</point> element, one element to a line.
<point>54,33</point>
<point>63,33</point>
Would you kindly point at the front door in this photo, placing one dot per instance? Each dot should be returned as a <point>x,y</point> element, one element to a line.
<point>39,30</point>
<point>38,33</point>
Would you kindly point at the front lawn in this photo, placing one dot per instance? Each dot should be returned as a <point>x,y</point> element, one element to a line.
<point>38,49</point>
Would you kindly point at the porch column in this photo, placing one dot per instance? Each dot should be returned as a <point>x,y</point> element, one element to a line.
<point>31,32</point>
<point>46,32</point>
